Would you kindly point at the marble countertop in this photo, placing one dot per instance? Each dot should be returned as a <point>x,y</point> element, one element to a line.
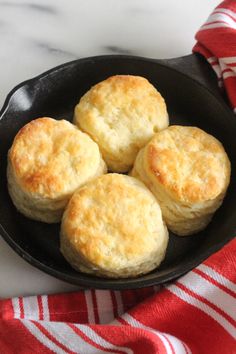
<point>38,35</point>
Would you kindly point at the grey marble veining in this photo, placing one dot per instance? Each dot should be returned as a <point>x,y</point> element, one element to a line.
<point>29,6</point>
<point>36,35</point>
<point>118,50</point>
<point>52,50</point>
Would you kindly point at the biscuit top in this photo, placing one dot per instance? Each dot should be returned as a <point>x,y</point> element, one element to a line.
<point>114,221</point>
<point>189,163</point>
<point>51,158</point>
<point>122,113</point>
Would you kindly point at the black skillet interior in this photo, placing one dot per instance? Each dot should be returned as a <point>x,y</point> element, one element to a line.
<point>192,98</point>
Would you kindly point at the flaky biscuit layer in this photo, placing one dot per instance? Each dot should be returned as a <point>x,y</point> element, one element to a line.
<point>113,227</point>
<point>121,114</point>
<point>188,171</point>
<point>47,162</point>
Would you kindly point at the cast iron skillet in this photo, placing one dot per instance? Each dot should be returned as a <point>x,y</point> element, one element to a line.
<point>190,89</point>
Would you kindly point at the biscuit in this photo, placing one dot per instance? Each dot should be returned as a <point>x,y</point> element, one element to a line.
<point>113,227</point>
<point>47,162</point>
<point>121,114</point>
<point>188,171</point>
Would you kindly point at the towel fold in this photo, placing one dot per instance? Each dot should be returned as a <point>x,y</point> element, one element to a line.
<point>216,41</point>
<point>195,314</point>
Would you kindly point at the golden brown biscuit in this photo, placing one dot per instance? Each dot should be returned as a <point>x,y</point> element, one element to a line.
<point>113,227</point>
<point>47,162</point>
<point>121,114</point>
<point>188,171</point>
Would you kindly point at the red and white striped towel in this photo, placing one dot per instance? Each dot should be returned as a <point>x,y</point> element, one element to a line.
<point>195,314</point>
<point>216,40</point>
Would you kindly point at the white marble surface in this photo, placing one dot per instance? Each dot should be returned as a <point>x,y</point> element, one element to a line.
<point>37,35</point>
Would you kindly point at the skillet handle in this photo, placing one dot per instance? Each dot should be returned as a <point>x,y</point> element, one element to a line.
<point>196,67</point>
